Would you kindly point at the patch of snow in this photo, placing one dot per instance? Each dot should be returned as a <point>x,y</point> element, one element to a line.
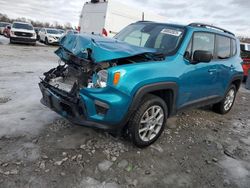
<point>238,171</point>
<point>20,68</point>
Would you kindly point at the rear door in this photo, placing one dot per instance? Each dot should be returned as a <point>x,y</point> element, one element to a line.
<point>225,56</point>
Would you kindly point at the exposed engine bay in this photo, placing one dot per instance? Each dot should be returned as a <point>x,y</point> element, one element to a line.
<point>85,59</point>
<point>71,77</point>
<point>80,73</point>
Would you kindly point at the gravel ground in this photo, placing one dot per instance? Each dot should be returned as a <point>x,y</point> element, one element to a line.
<point>40,149</point>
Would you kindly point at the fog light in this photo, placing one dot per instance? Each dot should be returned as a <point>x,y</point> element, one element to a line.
<point>101,107</point>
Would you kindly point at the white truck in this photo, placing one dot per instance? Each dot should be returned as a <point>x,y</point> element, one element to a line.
<point>108,17</point>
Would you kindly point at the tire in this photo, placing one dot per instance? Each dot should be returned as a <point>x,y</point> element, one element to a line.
<point>46,41</point>
<point>150,129</point>
<point>11,42</point>
<point>244,79</point>
<point>227,103</point>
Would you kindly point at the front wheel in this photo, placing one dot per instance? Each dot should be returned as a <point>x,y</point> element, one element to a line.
<point>226,104</point>
<point>11,41</point>
<point>148,122</point>
<point>46,41</point>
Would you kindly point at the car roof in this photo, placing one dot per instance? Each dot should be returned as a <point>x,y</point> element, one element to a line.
<point>197,27</point>
<point>23,23</point>
<point>5,22</point>
<point>50,28</point>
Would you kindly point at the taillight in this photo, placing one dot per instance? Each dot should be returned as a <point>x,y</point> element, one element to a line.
<point>104,32</point>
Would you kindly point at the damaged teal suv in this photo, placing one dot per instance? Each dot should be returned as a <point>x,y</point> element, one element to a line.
<point>145,74</point>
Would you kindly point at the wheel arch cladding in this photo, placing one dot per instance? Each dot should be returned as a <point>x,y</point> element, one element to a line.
<point>165,90</point>
<point>237,83</point>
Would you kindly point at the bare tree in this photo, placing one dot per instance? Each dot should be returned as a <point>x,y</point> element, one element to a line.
<point>5,18</point>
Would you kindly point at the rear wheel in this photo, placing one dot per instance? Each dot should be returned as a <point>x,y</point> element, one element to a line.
<point>148,122</point>
<point>226,104</point>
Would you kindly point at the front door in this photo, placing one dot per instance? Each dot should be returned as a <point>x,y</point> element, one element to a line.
<point>199,81</point>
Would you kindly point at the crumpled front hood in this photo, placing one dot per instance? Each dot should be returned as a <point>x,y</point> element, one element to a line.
<point>101,49</point>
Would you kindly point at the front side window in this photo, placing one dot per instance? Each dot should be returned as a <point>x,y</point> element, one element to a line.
<point>164,38</point>
<point>200,41</point>
<point>223,47</point>
<point>203,41</point>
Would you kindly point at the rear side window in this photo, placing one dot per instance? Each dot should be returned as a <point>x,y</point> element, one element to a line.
<point>223,47</point>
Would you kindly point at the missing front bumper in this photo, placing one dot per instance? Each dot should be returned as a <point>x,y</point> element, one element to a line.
<point>72,109</point>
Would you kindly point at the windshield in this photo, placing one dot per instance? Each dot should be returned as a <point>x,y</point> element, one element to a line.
<point>61,31</point>
<point>164,38</point>
<point>4,24</point>
<point>52,31</point>
<point>22,26</point>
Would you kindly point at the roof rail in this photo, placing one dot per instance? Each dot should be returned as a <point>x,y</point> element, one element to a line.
<point>210,26</point>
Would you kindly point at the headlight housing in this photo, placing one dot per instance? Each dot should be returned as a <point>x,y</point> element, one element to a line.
<point>102,78</point>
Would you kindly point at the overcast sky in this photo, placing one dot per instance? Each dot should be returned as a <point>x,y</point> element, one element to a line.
<point>233,15</point>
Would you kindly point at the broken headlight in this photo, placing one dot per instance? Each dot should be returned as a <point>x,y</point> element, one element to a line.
<point>102,78</point>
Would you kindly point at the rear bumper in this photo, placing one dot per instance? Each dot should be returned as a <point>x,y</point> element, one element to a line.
<point>73,109</point>
<point>24,40</point>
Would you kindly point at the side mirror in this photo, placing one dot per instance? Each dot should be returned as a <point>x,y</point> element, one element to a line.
<point>202,56</point>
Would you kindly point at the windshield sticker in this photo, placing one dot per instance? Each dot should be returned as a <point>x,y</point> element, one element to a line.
<point>171,32</point>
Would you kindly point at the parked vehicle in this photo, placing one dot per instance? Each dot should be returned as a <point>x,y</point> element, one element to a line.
<point>50,36</point>
<point>149,72</point>
<point>22,32</point>
<point>245,55</point>
<point>71,31</point>
<point>2,26</point>
<point>109,17</point>
<point>37,29</point>
<point>61,31</point>
<point>6,31</point>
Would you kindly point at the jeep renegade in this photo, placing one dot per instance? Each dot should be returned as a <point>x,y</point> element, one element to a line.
<point>145,74</point>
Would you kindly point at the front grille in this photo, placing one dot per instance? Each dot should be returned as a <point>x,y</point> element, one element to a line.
<point>23,34</point>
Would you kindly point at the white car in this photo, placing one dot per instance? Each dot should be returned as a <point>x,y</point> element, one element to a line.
<point>22,32</point>
<point>2,26</point>
<point>50,35</point>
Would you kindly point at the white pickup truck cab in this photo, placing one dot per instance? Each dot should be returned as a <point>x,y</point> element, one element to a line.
<point>22,32</point>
